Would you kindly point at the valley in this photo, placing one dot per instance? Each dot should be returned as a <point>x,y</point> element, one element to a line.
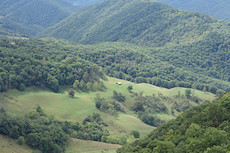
<point>112,76</point>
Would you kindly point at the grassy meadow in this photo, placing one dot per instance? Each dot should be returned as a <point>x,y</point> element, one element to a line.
<point>63,107</point>
<point>8,145</point>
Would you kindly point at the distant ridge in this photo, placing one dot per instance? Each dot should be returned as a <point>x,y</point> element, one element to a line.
<point>83,3</point>
<point>216,8</point>
<point>32,16</point>
<point>140,22</point>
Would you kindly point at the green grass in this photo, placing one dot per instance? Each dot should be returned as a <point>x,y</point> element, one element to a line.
<point>76,109</point>
<point>8,145</point>
<point>85,146</point>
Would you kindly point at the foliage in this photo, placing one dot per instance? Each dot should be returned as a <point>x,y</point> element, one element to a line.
<point>189,50</point>
<point>21,140</point>
<point>204,128</point>
<point>135,133</point>
<point>29,17</point>
<point>108,105</point>
<point>27,63</point>
<point>118,96</point>
<point>118,60</point>
<point>48,135</point>
<point>71,92</point>
<point>130,88</point>
<point>147,107</point>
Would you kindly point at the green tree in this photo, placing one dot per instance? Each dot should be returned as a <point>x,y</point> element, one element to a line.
<point>130,88</point>
<point>188,93</point>
<point>21,140</point>
<point>71,92</point>
<point>76,84</point>
<point>135,133</point>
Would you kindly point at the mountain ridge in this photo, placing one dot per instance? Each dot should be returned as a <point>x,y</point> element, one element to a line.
<point>217,8</point>
<point>30,17</point>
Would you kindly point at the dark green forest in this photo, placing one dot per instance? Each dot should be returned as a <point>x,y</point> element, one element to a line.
<point>41,131</point>
<point>204,128</point>
<point>139,22</point>
<point>142,41</point>
<point>34,63</point>
<point>28,17</point>
<point>176,48</point>
<point>53,63</point>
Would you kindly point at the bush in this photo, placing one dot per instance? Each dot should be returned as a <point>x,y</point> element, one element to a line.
<point>21,140</point>
<point>135,133</point>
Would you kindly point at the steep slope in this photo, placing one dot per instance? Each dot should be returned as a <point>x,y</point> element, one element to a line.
<point>189,41</point>
<point>217,8</point>
<point>206,70</point>
<point>205,128</point>
<point>140,22</point>
<point>31,16</point>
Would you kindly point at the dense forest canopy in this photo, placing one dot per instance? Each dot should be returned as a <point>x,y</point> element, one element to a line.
<point>140,22</point>
<point>194,46</point>
<point>141,41</point>
<point>29,17</point>
<point>27,63</point>
<point>202,71</point>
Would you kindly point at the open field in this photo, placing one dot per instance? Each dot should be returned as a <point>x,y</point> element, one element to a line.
<point>62,107</point>
<point>8,145</point>
<point>76,109</point>
<point>85,146</point>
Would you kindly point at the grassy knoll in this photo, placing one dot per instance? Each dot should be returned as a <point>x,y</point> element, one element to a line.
<point>83,146</point>
<point>8,145</point>
<point>76,109</point>
<point>62,107</point>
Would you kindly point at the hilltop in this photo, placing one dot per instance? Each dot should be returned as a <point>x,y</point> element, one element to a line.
<point>217,8</point>
<point>191,43</point>
<point>29,17</point>
<point>83,3</point>
<point>140,22</point>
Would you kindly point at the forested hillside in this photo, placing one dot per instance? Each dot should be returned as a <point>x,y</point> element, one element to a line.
<point>194,45</point>
<point>202,71</point>
<point>140,22</point>
<point>29,17</point>
<point>217,8</point>
<point>200,129</point>
<point>27,63</point>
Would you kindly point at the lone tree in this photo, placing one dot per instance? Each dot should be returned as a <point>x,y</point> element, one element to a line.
<point>188,93</point>
<point>135,133</point>
<point>130,87</point>
<point>71,92</point>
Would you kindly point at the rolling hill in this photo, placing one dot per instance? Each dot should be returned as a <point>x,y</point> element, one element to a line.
<point>140,22</point>
<point>192,42</point>
<point>50,67</point>
<point>217,8</point>
<point>29,17</point>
